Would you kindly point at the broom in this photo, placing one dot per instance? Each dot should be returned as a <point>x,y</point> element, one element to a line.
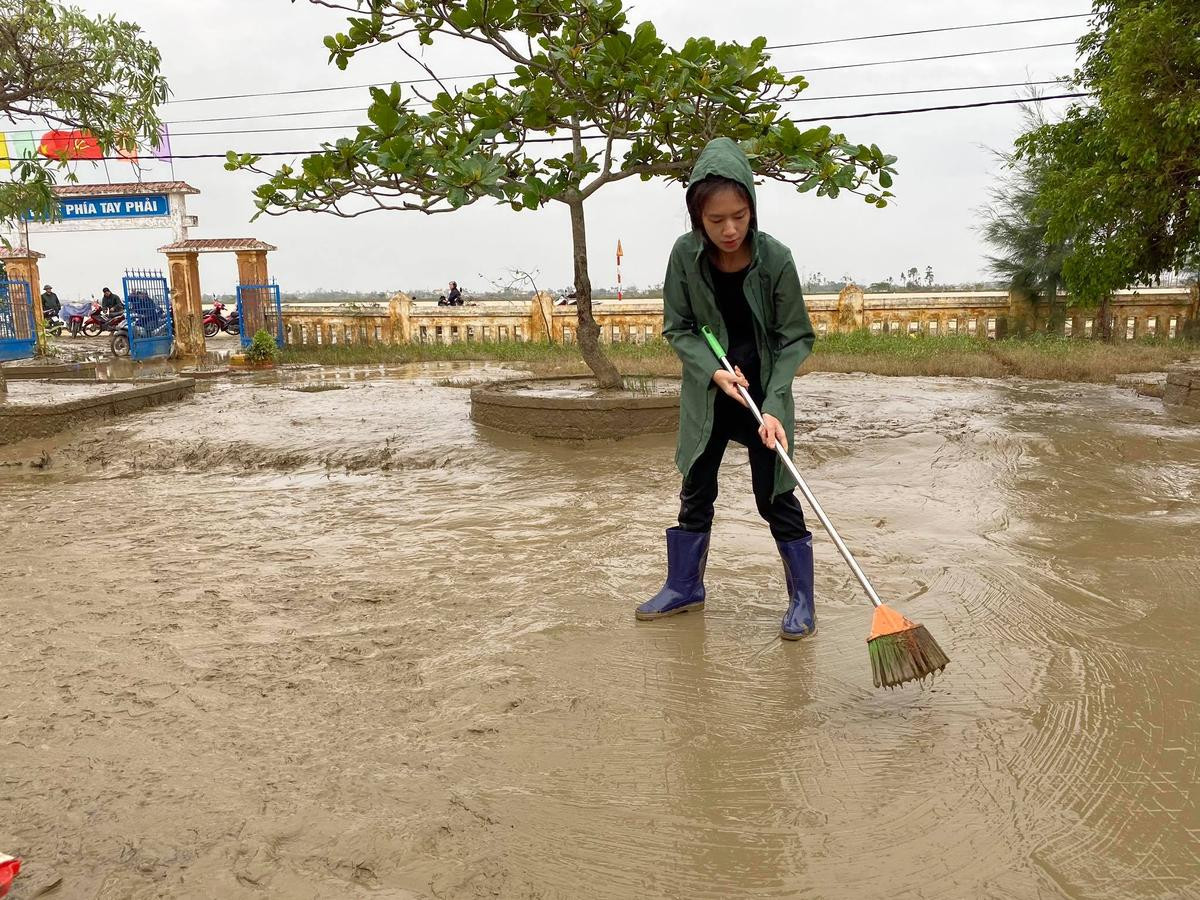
<point>900,649</point>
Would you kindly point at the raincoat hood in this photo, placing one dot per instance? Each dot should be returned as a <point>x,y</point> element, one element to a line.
<point>783,332</point>
<point>725,158</point>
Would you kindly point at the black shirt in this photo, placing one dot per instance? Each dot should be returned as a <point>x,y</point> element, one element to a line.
<point>729,288</point>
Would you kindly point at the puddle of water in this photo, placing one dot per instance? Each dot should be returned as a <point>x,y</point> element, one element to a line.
<point>343,644</point>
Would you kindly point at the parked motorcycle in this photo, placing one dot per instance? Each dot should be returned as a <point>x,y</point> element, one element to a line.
<point>233,325</point>
<point>99,322</point>
<point>215,320</point>
<point>54,325</point>
<point>73,314</point>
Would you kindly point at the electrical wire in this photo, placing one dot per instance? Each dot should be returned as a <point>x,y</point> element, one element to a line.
<point>430,79</point>
<point>554,140</point>
<point>893,62</point>
<point>892,34</point>
<point>360,110</point>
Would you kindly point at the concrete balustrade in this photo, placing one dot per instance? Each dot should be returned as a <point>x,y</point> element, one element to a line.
<point>1160,312</point>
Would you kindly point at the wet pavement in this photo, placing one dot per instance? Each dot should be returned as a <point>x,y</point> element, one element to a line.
<point>345,643</point>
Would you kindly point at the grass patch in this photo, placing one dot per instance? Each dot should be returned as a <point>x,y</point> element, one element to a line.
<point>317,388</point>
<point>540,352</point>
<point>1042,357</point>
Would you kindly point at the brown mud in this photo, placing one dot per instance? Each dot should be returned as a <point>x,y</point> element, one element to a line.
<point>345,644</point>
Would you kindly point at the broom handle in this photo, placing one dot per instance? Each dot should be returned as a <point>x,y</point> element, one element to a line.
<point>801,483</point>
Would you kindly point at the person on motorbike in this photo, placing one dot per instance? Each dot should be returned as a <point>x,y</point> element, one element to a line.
<point>51,306</point>
<point>110,304</point>
<point>146,314</point>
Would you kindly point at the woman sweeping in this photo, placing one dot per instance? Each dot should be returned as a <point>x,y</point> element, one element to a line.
<point>741,282</point>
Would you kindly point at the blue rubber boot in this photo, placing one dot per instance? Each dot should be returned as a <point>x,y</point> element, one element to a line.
<point>800,620</point>
<point>687,554</point>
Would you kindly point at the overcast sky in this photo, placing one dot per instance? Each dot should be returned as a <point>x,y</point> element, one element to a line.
<point>946,165</point>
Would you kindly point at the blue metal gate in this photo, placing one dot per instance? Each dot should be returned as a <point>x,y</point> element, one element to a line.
<point>148,313</point>
<point>259,309</point>
<point>18,328</point>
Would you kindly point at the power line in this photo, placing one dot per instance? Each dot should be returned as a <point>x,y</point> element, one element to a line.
<point>892,34</point>
<point>943,90</point>
<point>344,87</point>
<point>429,80</point>
<point>557,139</point>
<point>925,109</point>
<point>306,112</point>
<point>361,110</point>
<point>892,62</point>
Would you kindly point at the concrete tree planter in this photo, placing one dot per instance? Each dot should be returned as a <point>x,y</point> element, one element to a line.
<point>39,409</point>
<point>573,408</point>
<point>1182,394</point>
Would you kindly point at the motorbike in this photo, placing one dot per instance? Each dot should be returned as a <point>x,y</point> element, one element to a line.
<point>215,320</point>
<point>54,325</point>
<point>146,320</point>
<point>99,321</point>
<point>73,314</point>
<point>118,344</point>
<point>233,325</point>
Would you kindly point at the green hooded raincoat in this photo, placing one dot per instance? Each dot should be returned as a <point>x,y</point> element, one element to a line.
<point>784,332</point>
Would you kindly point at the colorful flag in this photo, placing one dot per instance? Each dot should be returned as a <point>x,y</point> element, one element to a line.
<point>129,152</point>
<point>21,145</point>
<point>163,150</point>
<point>75,144</point>
<point>620,252</point>
<point>5,162</point>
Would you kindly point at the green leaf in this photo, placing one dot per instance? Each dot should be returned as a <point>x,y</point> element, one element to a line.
<point>813,136</point>
<point>500,11</point>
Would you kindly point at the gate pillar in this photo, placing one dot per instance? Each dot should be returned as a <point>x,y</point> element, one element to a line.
<point>252,267</point>
<point>186,305</point>
<point>21,264</point>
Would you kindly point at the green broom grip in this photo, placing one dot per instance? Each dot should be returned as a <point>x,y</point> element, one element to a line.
<point>713,343</point>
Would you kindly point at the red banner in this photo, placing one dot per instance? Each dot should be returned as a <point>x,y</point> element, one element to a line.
<point>70,145</point>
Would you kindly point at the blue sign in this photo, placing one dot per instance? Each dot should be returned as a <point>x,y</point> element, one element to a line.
<point>115,207</point>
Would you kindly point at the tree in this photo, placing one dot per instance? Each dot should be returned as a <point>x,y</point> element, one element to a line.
<point>64,70</point>
<point>1030,259</point>
<point>1119,177</point>
<point>625,104</point>
<point>929,276</point>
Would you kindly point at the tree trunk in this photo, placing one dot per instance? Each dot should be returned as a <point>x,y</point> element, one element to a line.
<point>589,332</point>
<point>1058,309</point>
<point>1103,328</point>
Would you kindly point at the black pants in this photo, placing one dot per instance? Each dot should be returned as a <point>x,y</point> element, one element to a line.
<point>733,422</point>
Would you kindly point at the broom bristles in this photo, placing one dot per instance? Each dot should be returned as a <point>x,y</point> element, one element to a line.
<point>902,650</point>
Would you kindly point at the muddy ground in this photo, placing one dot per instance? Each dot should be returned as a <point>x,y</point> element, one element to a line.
<point>345,644</point>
